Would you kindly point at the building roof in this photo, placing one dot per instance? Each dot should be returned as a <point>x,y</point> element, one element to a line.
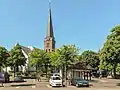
<point>26,49</point>
<point>50,26</point>
<point>81,66</point>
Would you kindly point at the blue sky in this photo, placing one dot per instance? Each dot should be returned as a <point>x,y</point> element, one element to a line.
<point>85,23</point>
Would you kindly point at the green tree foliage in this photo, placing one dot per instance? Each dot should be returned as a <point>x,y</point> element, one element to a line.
<point>54,58</point>
<point>4,57</point>
<point>39,59</point>
<point>68,54</point>
<point>65,55</point>
<point>16,58</point>
<point>110,53</point>
<point>118,68</point>
<point>91,58</point>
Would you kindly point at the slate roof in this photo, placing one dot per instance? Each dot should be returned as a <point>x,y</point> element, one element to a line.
<point>26,49</point>
<point>50,27</point>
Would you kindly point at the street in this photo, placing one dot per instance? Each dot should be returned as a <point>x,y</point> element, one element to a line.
<point>97,84</point>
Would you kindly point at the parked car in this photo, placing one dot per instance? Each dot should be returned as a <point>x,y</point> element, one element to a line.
<point>55,74</point>
<point>79,82</point>
<point>18,79</point>
<point>4,77</point>
<point>55,81</point>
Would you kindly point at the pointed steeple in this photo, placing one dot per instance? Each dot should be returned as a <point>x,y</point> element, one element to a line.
<point>50,26</point>
<point>49,41</point>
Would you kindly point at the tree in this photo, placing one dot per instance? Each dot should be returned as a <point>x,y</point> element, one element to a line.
<point>110,53</point>
<point>39,59</point>
<point>3,57</point>
<point>54,58</point>
<point>91,58</point>
<point>68,55</point>
<point>17,58</point>
<point>118,68</point>
<point>64,57</point>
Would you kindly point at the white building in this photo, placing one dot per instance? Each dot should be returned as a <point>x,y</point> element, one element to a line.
<point>25,51</point>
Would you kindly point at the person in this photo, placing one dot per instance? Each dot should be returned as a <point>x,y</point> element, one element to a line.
<point>2,78</point>
<point>2,84</point>
<point>69,79</point>
<point>38,77</point>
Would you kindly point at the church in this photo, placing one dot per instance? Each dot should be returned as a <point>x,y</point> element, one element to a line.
<point>49,45</point>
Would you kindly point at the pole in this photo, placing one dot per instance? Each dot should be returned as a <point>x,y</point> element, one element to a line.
<point>65,76</point>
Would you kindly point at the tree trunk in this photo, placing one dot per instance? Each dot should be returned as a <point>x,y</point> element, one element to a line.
<point>6,68</point>
<point>0,68</point>
<point>17,69</point>
<point>36,68</point>
<point>46,68</point>
<point>63,75</point>
<point>114,70</point>
<point>14,71</point>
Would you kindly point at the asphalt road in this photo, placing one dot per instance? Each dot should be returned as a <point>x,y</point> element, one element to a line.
<point>102,84</point>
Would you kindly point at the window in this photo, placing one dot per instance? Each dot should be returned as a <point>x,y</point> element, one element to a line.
<point>56,78</point>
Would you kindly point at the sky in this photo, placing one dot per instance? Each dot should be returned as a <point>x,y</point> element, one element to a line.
<point>85,23</point>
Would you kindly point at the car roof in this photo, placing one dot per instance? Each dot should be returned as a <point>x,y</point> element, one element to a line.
<point>54,73</point>
<point>55,76</point>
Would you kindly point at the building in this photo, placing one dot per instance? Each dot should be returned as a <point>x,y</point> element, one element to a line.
<point>25,51</point>
<point>49,45</point>
<point>49,41</point>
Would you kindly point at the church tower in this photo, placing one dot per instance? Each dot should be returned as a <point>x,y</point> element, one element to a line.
<point>49,41</point>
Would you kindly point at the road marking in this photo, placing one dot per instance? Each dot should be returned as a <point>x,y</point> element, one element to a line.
<point>103,81</point>
<point>17,87</point>
<point>33,86</point>
<point>72,86</point>
<point>49,86</point>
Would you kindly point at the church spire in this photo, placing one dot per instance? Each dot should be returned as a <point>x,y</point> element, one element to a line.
<point>50,26</point>
<point>49,41</point>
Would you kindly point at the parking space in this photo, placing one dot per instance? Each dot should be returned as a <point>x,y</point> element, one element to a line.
<point>103,84</point>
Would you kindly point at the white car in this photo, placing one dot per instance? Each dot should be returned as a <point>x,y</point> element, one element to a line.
<point>55,81</point>
<point>55,74</point>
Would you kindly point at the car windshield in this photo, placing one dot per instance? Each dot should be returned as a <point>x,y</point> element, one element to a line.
<point>56,74</point>
<point>79,79</point>
<point>56,78</point>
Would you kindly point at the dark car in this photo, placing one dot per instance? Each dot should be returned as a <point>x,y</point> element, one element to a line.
<point>79,82</point>
<point>4,77</point>
<point>18,79</point>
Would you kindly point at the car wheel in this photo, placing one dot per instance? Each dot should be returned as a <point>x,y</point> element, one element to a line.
<point>87,85</point>
<point>77,85</point>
